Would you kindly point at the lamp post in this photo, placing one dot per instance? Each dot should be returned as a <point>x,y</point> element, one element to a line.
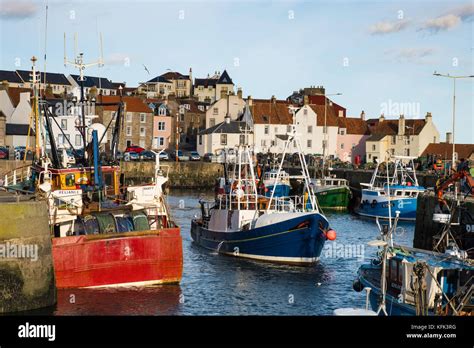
<point>453,164</point>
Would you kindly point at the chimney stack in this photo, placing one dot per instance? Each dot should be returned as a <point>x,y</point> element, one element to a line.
<point>428,117</point>
<point>273,99</point>
<point>401,125</point>
<point>239,92</point>
<point>249,100</point>
<point>305,100</point>
<point>362,115</point>
<point>381,118</point>
<point>449,137</point>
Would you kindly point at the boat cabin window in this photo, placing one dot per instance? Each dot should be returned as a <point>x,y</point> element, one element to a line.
<point>108,179</point>
<point>70,180</point>
<point>398,193</point>
<point>395,274</point>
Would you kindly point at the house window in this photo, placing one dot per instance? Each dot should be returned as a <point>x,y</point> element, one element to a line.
<point>129,131</point>
<point>162,111</point>
<point>242,139</point>
<point>215,111</point>
<point>181,117</point>
<point>373,147</point>
<point>276,130</point>
<point>264,143</point>
<point>370,156</point>
<point>212,122</point>
<point>223,139</point>
<point>288,128</point>
<point>342,131</point>
<point>407,152</point>
<point>310,129</point>
<point>305,112</point>
<point>68,137</point>
<point>142,117</point>
<point>434,139</point>
<point>180,94</point>
<point>142,131</point>
<point>129,117</point>
<point>159,141</point>
<point>78,140</point>
<point>267,130</point>
<point>181,84</point>
<point>309,143</point>
<point>60,139</point>
<point>142,143</point>
<point>200,140</point>
<point>342,146</point>
<point>394,140</point>
<point>161,126</point>
<point>64,124</point>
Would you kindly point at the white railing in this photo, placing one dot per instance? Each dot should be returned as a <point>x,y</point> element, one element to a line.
<point>16,176</point>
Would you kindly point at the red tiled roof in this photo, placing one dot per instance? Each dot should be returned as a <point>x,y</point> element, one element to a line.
<point>353,125</point>
<point>331,117</point>
<point>445,150</point>
<point>14,94</point>
<point>390,127</point>
<point>320,100</point>
<point>266,111</point>
<point>133,104</point>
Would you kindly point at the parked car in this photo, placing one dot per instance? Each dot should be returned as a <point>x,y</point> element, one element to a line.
<point>134,148</point>
<point>3,153</point>
<point>180,155</point>
<point>164,156</point>
<point>208,157</point>
<point>194,156</point>
<point>130,156</point>
<point>147,155</point>
<point>119,155</point>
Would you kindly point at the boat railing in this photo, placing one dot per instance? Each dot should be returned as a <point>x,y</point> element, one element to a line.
<point>16,175</point>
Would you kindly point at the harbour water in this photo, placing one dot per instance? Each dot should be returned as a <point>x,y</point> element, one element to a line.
<point>221,285</point>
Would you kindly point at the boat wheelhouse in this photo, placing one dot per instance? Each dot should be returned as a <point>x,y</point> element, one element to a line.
<point>332,193</point>
<point>395,189</point>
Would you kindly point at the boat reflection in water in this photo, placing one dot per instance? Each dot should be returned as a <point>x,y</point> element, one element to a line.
<point>152,300</point>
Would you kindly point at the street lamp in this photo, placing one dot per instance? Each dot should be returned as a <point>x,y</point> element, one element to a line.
<point>453,164</point>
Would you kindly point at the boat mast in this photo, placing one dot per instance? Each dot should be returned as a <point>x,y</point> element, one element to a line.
<point>79,64</point>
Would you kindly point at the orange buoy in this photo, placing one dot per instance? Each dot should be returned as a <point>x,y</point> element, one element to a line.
<point>331,235</point>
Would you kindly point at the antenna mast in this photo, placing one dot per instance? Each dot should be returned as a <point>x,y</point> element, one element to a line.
<point>78,63</point>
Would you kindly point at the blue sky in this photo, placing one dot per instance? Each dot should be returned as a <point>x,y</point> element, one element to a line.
<point>375,53</point>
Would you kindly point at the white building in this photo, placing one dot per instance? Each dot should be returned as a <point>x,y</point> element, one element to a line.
<point>229,104</point>
<point>211,88</point>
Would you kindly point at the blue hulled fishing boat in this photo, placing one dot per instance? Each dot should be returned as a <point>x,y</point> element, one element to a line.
<point>408,281</point>
<point>243,223</point>
<point>397,192</point>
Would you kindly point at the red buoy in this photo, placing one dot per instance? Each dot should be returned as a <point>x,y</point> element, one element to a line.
<point>331,235</point>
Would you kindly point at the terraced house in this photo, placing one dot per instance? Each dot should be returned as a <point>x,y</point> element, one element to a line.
<point>137,122</point>
<point>405,137</point>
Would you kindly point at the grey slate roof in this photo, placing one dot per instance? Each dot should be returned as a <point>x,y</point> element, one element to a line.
<point>224,127</point>
<point>53,78</point>
<point>159,79</point>
<point>18,129</point>
<point>10,76</point>
<point>225,78</point>
<point>91,81</point>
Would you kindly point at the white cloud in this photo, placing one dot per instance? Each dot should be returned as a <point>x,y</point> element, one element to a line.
<point>11,9</point>
<point>418,55</point>
<point>465,12</point>
<point>117,59</point>
<point>441,23</point>
<point>387,27</point>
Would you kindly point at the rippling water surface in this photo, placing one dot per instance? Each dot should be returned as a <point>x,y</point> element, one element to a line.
<point>221,285</point>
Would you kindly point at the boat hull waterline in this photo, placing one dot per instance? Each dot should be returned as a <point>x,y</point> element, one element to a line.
<point>297,241</point>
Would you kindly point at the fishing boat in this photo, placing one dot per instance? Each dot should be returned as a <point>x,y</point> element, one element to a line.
<point>397,190</point>
<point>280,186</point>
<point>104,234</point>
<point>332,193</point>
<point>410,281</point>
<point>241,222</point>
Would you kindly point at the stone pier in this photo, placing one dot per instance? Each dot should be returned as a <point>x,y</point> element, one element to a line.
<point>26,263</point>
